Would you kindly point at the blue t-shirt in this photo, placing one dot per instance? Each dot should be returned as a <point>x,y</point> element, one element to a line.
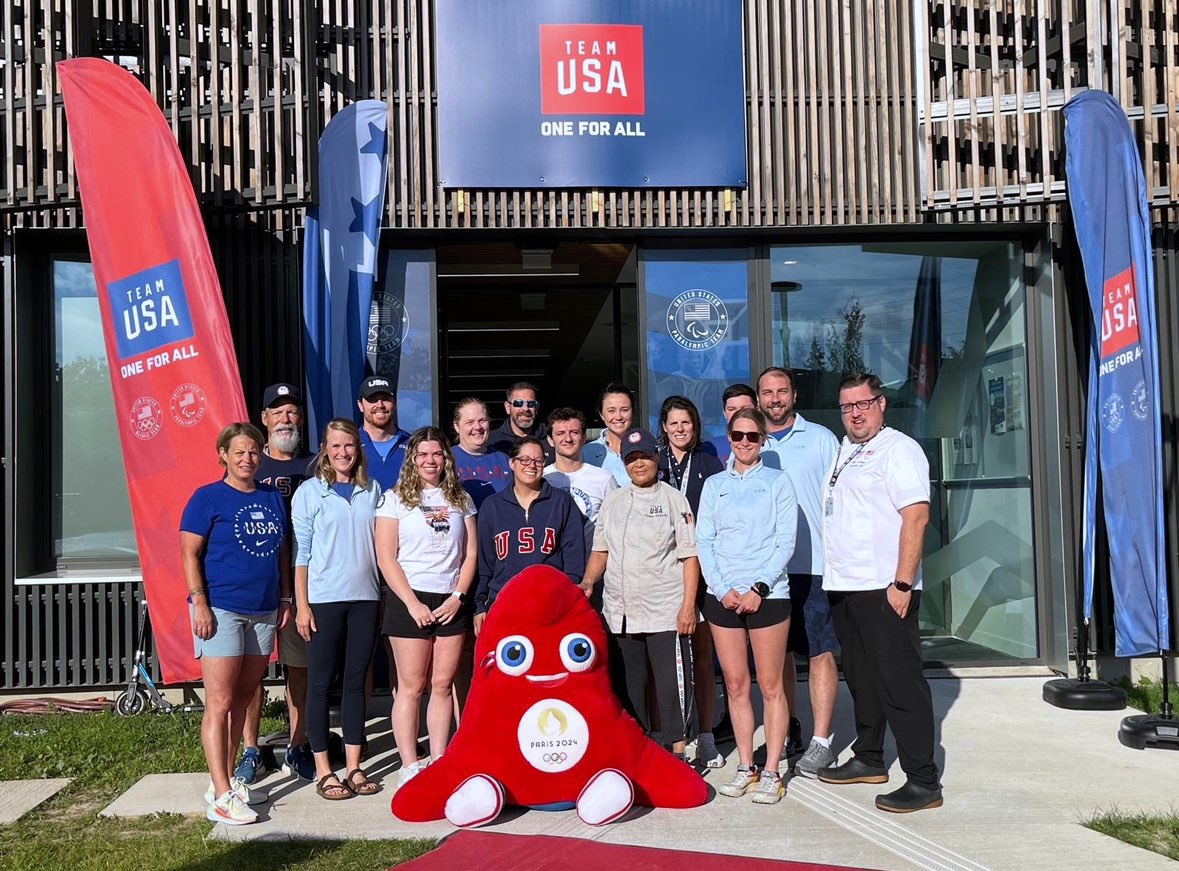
<point>482,474</point>
<point>243,533</point>
<point>344,491</point>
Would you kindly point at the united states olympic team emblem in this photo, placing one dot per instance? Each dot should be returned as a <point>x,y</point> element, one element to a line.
<point>697,319</point>
<point>1113,412</point>
<point>387,325</point>
<point>146,417</point>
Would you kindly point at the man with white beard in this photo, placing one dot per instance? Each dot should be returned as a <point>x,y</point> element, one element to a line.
<point>283,465</point>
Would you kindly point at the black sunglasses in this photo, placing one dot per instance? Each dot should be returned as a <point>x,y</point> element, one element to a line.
<point>740,435</point>
<point>523,403</point>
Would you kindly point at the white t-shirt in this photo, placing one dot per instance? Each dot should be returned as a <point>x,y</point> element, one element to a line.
<point>588,486</point>
<point>861,513</point>
<point>431,539</point>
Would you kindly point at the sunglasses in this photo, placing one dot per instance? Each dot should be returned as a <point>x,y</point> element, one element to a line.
<point>524,403</point>
<point>740,435</point>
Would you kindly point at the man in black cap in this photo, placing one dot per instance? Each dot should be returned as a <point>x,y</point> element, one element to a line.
<point>283,465</point>
<point>380,437</point>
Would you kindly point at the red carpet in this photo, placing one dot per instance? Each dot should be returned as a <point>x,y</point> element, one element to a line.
<point>475,850</point>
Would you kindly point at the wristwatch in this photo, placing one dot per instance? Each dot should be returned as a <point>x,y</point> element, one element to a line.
<point>462,597</point>
<point>902,586</point>
<point>761,588</point>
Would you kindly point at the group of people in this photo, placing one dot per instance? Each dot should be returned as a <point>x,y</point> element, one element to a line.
<point>685,547</point>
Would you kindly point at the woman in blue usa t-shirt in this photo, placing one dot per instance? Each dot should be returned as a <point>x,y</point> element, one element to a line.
<point>236,564</point>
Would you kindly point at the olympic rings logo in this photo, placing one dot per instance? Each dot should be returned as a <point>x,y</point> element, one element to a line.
<point>554,758</point>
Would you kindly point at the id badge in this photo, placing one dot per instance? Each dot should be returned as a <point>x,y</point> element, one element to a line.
<point>829,506</point>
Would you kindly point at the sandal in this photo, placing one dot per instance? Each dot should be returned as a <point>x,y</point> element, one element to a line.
<point>365,786</point>
<point>332,791</point>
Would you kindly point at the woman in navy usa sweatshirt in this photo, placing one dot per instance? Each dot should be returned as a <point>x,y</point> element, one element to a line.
<point>530,523</point>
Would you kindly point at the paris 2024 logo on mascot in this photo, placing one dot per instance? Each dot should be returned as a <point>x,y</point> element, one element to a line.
<point>542,727</point>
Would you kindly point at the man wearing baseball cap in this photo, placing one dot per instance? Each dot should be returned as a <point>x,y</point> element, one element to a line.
<point>380,437</point>
<point>645,545</point>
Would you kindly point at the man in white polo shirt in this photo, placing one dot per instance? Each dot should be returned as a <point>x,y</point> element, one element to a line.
<point>875,510</point>
<point>804,451</point>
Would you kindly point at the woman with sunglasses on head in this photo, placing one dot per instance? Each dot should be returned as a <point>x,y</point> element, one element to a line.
<point>685,467</point>
<point>426,547</point>
<point>616,406</point>
<point>745,535</point>
<point>337,598</point>
<point>530,523</point>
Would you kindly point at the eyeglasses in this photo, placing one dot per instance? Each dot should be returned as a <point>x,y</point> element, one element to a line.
<point>528,461</point>
<point>740,435</point>
<point>859,405</point>
<point>524,403</point>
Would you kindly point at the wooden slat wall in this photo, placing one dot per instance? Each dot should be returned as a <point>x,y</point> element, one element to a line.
<point>247,86</point>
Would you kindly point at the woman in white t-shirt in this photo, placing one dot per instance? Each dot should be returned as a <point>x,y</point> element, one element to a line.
<point>427,552</point>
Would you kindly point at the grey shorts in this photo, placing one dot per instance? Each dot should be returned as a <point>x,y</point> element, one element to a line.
<point>237,635</point>
<point>292,649</point>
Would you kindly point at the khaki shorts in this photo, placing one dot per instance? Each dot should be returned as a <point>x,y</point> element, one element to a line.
<point>292,649</point>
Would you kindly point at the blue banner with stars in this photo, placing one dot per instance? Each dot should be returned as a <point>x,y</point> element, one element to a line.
<point>1107,198</point>
<point>341,239</point>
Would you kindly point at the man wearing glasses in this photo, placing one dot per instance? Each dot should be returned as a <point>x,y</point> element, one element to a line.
<point>875,510</point>
<point>523,411</point>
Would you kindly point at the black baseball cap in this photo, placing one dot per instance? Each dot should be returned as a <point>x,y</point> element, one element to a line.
<point>638,441</point>
<point>374,385</point>
<point>281,394</point>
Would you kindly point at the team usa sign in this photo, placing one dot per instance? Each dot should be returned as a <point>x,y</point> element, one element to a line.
<point>590,93</point>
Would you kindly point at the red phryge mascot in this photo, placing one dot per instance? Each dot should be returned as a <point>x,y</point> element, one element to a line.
<point>542,727</point>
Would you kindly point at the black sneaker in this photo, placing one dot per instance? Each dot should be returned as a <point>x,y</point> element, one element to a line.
<point>854,771</point>
<point>794,746</point>
<point>909,798</point>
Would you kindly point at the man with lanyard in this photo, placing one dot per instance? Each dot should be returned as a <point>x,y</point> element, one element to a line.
<point>283,466</point>
<point>735,397</point>
<point>380,437</point>
<point>804,450</point>
<point>875,510</point>
<point>523,411</point>
<point>587,484</point>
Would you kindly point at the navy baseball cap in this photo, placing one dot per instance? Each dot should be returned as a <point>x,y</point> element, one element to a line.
<point>281,394</point>
<point>374,385</point>
<point>638,441</point>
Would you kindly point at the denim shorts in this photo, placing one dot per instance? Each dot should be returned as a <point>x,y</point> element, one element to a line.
<point>814,634</point>
<point>237,634</point>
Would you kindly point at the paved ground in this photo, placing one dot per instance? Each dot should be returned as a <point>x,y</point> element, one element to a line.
<point>1019,777</point>
<point>18,797</point>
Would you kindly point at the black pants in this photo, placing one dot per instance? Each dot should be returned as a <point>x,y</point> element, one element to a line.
<point>344,637</point>
<point>669,656</point>
<point>882,664</point>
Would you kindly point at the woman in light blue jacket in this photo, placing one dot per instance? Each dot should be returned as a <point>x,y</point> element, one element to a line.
<point>337,597</point>
<point>745,535</point>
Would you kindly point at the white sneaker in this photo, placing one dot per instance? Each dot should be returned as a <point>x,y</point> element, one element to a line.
<point>231,810</point>
<point>770,789</point>
<point>744,780</point>
<point>244,793</point>
<point>409,772</point>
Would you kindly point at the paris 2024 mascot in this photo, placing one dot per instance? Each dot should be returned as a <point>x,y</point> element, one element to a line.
<point>542,727</point>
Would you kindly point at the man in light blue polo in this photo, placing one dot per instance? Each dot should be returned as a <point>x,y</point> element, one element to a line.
<point>805,451</point>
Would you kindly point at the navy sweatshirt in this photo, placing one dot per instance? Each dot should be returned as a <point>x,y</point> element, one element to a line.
<point>512,539</point>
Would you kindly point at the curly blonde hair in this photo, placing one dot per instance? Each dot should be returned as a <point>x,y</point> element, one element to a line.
<point>323,463</point>
<point>409,485</point>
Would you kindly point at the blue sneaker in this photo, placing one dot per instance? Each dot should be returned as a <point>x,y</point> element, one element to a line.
<point>299,762</point>
<point>250,766</point>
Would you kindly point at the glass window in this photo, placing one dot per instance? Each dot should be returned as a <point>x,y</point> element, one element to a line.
<point>90,510</point>
<point>943,326</point>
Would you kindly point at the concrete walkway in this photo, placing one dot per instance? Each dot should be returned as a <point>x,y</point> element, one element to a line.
<point>18,797</point>
<point>1019,775</point>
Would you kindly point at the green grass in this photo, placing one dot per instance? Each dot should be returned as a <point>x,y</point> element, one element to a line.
<point>105,755</point>
<point>1159,834</point>
<point>1147,696</point>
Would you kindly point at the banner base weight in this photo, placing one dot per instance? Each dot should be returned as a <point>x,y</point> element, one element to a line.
<point>1084,695</point>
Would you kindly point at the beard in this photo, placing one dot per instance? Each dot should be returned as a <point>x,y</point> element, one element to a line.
<point>285,440</point>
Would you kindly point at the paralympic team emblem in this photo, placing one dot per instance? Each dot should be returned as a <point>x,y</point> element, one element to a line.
<point>1139,401</point>
<point>1113,412</point>
<point>388,324</point>
<point>146,418</point>
<point>553,735</point>
<point>187,404</point>
<point>697,319</point>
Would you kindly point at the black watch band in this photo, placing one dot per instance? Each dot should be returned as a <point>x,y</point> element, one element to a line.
<point>761,588</point>
<point>902,586</point>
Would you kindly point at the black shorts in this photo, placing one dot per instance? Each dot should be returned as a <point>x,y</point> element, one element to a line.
<point>399,624</point>
<point>771,613</point>
<point>814,634</point>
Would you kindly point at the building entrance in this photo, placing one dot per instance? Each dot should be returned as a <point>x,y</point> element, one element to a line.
<point>563,318</point>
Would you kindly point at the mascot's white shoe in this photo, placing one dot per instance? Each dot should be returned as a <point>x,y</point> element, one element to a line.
<point>607,797</point>
<point>476,802</point>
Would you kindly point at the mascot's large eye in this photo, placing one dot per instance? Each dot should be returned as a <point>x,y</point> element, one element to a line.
<point>577,652</point>
<point>514,655</point>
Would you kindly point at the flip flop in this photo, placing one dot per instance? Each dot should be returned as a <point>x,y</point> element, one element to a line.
<point>366,786</point>
<point>322,788</point>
